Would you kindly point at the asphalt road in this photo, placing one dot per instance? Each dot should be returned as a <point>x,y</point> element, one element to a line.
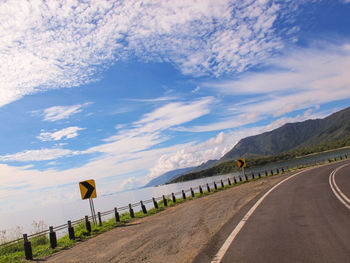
<point>299,221</point>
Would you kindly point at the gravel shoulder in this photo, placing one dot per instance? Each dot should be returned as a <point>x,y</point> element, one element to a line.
<point>175,235</point>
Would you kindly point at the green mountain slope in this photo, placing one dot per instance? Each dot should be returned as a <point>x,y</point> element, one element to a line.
<point>294,135</point>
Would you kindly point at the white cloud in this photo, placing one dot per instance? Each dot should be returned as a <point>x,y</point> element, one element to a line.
<point>301,79</point>
<point>232,122</point>
<point>174,114</point>
<point>57,113</point>
<point>193,154</point>
<point>49,45</point>
<point>196,89</point>
<point>38,155</point>
<point>66,133</point>
<point>147,132</point>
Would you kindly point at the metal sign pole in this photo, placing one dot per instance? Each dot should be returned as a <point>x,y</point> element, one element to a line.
<point>93,209</point>
<point>92,214</point>
<point>243,172</point>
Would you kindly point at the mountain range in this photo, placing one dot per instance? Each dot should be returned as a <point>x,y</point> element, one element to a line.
<point>289,137</point>
<point>293,135</point>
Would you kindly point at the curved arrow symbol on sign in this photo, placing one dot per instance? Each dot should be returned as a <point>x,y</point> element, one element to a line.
<point>241,163</point>
<point>90,189</point>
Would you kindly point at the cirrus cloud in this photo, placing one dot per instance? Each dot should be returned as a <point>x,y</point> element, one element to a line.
<point>38,155</point>
<point>57,113</point>
<point>67,133</point>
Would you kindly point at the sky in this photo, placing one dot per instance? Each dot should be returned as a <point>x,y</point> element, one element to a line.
<point>124,91</point>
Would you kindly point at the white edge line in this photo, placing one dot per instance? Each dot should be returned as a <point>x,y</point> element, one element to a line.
<point>219,256</point>
<point>337,192</point>
<point>336,186</point>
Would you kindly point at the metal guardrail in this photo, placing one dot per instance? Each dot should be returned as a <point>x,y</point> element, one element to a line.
<point>230,180</point>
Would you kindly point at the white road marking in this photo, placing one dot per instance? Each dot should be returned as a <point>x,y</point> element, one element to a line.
<point>219,256</point>
<point>336,190</point>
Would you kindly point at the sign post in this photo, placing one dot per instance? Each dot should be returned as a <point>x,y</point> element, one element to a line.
<point>88,191</point>
<point>241,164</point>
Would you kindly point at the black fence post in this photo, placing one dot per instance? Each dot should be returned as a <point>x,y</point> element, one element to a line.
<point>266,173</point>
<point>200,190</point>
<point>240,179</point>
<point>271,172</point>
<point>253,176</point>
<point>246,177</point>
<point>228,181</point>
<point>215,186</point>
<point>99,218</point>
<point>27,248</point>
<point>183,194</point>
<point>208,188</point>
<point>131,211</point>
<point>235,180</point>
<point>174,198</point>
<point>87,224</point>
<point>53,238</point>
<point>116,215</point>
<point>282,170</point>
<point>278,171</point>
<point>71,233</point>
<point>155,203</point>
<point>222,184</point>
<point>143,207</point>
<point>259,175</point>
<point>165,201</point>
<point>192,192</point>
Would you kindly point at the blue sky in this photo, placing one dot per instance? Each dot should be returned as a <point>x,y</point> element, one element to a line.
<point>124,91</point>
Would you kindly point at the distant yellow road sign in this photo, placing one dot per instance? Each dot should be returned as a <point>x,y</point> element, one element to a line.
<point>87,189</point>
<point>241,163</point>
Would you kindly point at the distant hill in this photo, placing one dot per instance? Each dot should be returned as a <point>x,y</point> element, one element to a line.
<point>293,135</point>
<point>172,175</point>
<point>162,179</point>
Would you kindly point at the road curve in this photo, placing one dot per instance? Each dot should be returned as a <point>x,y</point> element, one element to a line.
<point>300,221</point>
<point>175,235</point>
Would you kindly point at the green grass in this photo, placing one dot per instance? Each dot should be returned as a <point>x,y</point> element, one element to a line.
<point>41,245</point>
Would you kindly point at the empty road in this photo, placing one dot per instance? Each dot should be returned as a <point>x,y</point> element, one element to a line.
<point>301,220</point>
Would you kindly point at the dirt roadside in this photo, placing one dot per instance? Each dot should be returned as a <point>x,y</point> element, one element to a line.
<point>174,235</point>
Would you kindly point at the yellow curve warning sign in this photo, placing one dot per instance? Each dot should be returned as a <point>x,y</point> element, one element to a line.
<point>241,163</point>
<point>87,189</point>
